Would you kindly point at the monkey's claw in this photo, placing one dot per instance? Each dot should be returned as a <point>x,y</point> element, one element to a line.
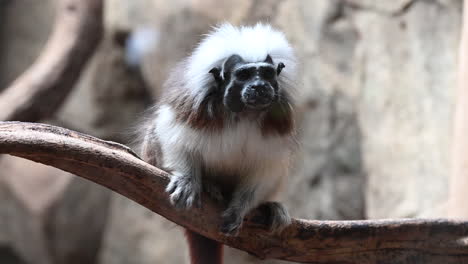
<point>278,216</point>
<point>184,191</point>
<point>231,223</point>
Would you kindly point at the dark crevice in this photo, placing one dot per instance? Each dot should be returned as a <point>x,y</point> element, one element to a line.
<point>337,12</point>
<point>404,9</point>
<point>8,256</point>
<point>396,13</point>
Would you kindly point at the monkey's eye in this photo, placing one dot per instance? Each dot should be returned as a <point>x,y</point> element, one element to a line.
<point>244,75</point>
<point>267,73</point>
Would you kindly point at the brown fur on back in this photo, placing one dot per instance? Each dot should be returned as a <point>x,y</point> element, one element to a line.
<point>151,148</point>
<point>210,114</point>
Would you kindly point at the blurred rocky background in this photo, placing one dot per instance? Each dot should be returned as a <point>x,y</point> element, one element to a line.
<point>375,114</point>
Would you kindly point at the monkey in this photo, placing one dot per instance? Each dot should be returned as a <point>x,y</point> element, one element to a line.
<point>224,126</point>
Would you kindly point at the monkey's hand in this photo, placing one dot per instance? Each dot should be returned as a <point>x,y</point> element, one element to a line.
<point>184,190</point>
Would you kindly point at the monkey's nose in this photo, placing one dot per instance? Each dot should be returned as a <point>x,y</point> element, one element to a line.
<point>258,96</point>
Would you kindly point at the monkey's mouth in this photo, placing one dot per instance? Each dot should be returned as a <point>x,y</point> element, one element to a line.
<point>259,106</point>
<point>258,98</point>
<point>240,106</point>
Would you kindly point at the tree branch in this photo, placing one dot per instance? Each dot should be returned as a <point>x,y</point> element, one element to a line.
<point>41,90</point>
<point>116,167</point>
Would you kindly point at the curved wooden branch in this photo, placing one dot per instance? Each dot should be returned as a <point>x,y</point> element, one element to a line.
<point>116,167</point>
<point>41,90</point>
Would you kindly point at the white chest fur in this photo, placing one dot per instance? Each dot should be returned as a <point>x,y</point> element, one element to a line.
<point>238,148</point>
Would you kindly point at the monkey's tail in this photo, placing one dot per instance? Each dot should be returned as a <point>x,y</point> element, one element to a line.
<point>203,250</point>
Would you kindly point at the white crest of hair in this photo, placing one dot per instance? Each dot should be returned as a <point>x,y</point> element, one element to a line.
<point>252,43</point>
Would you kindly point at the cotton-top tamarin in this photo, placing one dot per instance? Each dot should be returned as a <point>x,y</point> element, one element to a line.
<point>224,125</point>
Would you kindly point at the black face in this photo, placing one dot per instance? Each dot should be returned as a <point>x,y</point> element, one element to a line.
<point>251,86</point>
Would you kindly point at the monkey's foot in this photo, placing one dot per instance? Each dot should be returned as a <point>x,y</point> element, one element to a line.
<point>277,216</point>
<point>184,191</point>
<point>231,223</point>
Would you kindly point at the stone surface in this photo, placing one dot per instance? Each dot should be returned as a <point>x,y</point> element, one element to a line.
<point>366,100</point>
<point>327,182</point>
<point>42,210</point>
<point>375,113</point>
<point>24,28</point>
<point>137,235</point>
<point>110,95</point>
<point>45,209</point>
<point>383,7</point>
<point>405,81</point>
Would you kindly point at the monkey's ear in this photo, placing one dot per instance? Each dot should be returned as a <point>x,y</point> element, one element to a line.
<point>268,59</point>
<point>216,72</point>
<point>280,68</point>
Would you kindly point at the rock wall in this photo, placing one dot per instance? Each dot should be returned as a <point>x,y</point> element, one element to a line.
<point>47,215</point>
<point>375,112</point>
<point>22,36</point>
<point>405,83</point>
<point>327,182</point>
